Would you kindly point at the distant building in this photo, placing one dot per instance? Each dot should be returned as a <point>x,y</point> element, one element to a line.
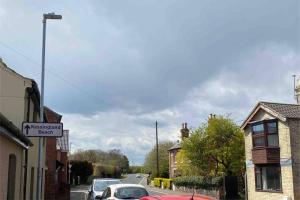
<point>173,151</point>
<point>272,148</point>
<point>56,177</point>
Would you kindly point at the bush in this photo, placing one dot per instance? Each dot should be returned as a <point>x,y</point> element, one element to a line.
<point>157,182</point>
<point>83,169</point>
<point>106,171</point>
<point>199,182</point>
<point>167,183</point>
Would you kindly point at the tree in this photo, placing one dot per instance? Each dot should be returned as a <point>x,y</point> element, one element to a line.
<point>216,148</point>
<point>163,159</point>
<point>83,169</point>
<point>113,158</point>
<point>184,166</point>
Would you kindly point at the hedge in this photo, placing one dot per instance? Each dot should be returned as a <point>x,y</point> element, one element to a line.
<point>199,182</point>
<point>157,182</point>
<point>166,182</point>
<point>106,171</point>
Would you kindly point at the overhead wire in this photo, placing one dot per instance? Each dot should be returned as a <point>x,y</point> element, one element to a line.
<point>54,74</point>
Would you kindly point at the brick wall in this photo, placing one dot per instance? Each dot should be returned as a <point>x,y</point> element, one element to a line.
<point>50,185</point>
<point>295,149</point>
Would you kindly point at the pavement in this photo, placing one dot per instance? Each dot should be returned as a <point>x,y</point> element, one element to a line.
<point>81,192</point>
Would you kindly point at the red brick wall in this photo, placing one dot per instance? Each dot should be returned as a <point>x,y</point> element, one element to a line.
<point>50,185</point>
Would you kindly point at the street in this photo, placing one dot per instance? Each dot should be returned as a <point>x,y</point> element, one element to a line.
<point>80,192</point>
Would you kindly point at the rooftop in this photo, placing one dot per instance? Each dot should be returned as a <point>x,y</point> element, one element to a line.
<point>286,110</point>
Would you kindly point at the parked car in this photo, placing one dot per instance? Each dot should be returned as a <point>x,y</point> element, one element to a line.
<point>175,197</point>
<point>99,185</point>
<point>138,176</point>
<point>124,191</point>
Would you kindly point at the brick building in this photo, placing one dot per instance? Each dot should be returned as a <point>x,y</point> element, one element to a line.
<point>56,177</point>
<point>272,148</point>
<point>173,151</point>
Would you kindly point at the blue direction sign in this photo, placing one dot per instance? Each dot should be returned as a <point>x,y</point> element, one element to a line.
<point>42,129</point>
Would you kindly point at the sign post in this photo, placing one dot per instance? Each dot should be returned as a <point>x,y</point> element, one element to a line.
<point>42,129</point>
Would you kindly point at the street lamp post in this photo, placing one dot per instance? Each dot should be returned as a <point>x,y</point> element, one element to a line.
<point>40,153</point>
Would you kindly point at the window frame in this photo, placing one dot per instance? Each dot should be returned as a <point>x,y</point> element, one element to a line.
<point>259,168</point>
<point>264,134</point>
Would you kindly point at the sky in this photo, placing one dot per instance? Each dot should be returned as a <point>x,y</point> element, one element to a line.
<point>113,68</point>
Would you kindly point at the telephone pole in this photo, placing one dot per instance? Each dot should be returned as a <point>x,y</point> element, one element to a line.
<point>157,166</point>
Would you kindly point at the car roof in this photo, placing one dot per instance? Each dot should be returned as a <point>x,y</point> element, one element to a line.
<point>106,179</point>
<point>116,186</point>
<point>175,197</point>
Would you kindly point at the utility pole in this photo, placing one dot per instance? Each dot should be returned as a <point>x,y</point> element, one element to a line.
<point>157,166</point>
<point>294,89</point>
<point>40,152</point>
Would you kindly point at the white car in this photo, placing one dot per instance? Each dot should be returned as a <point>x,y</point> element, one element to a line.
<point>99,185</point>
<point>124,191</point>
<point>138,176</point>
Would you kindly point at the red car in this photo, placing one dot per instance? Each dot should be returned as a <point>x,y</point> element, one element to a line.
<point>175,197</point>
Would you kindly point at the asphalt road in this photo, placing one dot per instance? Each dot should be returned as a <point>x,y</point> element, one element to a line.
<point>80,192</point>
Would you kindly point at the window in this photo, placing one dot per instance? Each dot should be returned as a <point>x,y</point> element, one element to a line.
<point>268,177</point>
<point>11,177</point>
<point>265,134</point>
<point>130,193</point>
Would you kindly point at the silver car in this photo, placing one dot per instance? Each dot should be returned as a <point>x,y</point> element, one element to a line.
<point>124,191</point>
<point>99,185</point>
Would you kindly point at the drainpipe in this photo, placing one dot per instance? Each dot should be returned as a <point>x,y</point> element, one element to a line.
<point>29,93</point>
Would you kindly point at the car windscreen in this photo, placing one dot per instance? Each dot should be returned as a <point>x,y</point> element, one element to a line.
<point>130,193</point>
<point>102,185</point>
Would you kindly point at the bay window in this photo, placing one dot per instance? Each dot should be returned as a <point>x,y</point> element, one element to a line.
<point>265,134</point>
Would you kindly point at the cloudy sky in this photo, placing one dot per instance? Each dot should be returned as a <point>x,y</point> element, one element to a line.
<point>115,67</point>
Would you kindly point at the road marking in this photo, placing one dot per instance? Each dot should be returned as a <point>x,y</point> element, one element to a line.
<point>142,180</point>
<point>81,191</point>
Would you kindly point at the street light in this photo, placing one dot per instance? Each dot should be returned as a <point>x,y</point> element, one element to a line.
<point>39,171</point>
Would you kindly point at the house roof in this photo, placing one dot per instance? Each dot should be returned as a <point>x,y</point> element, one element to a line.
<point>9,130</point>
<point>62,143</point>
<point>281,111</point>
<point>286,110</point>
<point>52,116</point>
<point>175,146</point>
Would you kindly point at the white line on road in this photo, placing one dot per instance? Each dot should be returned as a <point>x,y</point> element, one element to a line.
<point>142,180</point>
<point>81,191</point>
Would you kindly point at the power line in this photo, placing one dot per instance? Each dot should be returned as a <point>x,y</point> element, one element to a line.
<point>54,74</point>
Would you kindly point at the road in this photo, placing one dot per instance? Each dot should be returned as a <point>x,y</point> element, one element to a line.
<point>80,192</point>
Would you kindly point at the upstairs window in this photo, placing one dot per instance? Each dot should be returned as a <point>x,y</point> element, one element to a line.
<point>265,134</point>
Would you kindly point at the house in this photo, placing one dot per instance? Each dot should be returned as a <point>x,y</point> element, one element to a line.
<point>19,102</point>
<point>12,145</point>
<point>173,151</point>
<point>272,148</point>
<point>56,177</point>
<point>63,178</point>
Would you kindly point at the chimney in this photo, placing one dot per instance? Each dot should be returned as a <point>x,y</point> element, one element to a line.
<point>185,132</point>
<point>297,91</point>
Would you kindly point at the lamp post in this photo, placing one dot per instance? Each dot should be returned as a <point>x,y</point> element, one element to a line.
<point>40,153</point>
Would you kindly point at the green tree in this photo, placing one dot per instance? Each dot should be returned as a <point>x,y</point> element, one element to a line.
<point>216,148</point>
<point>184,165</point>
<point>163,159</point>
<point>113,158</point>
